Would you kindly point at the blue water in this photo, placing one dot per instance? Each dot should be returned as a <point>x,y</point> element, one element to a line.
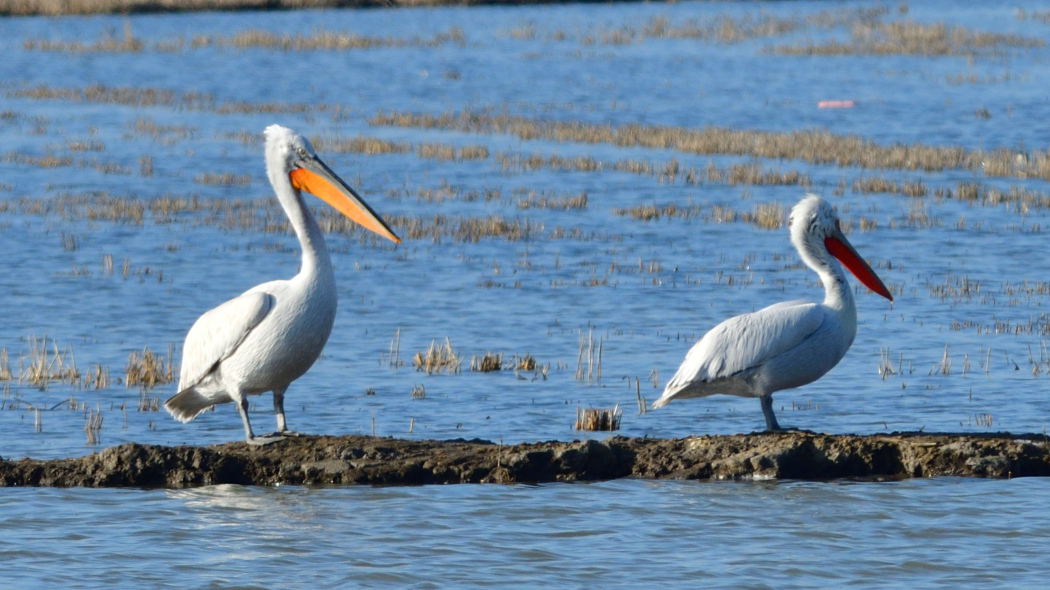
<point>538,296</point>
<point>619,534</point>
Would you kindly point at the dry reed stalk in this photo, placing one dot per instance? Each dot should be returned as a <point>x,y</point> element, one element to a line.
<point>147,403</point>
<point>97,378</point>
<point>643,407</point>
<point>93,426</point>
<point>593,372</point>
<point>5,365</point>
<point>395,351</point>
<point>598,419</point>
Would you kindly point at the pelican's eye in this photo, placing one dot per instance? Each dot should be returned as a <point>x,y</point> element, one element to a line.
<point>302,152</point>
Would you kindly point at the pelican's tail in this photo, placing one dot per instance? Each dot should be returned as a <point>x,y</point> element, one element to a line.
<point>186,404</point>
<point>663,400</point>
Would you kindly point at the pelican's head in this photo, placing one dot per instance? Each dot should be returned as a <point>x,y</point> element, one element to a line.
<point>816,234</point>
<point>290,154</point>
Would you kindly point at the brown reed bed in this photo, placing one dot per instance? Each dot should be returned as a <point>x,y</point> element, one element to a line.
<point>153,97</point>
<point>813,146</point>
<point>321,40</point>
<point>265,216</point>
<point>1022,199</point>
<point>751,173</point>
<point>534,200</point>
<point>878,184</point>
<point>445,152</point>
<point>446,192</point>
<point>162,134</point>
<point>107,43</point>
<point>913,38</point>
<point>223,179</point>
<point>721,29</point>
<point>358,144</point>
<point>1041,16</point>
<point>763,215</point>
<point>596,419</point>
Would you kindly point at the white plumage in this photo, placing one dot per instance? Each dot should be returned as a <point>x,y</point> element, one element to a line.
<point>272,334</point>
<point>789,344</point>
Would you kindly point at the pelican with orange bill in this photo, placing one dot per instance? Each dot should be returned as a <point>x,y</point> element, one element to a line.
<point>271,335</point>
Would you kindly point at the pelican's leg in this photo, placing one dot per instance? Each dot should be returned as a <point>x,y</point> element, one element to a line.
<point>249,436</point>
<point>767,411</point>
<point>278,410</point>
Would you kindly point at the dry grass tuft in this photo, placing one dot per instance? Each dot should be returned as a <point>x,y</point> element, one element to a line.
<point>46,363</point>
<point>598,419</point>
<point>148,369</point>
<point>437,359</point>
<point>525,363</point>
<point>487,363</point>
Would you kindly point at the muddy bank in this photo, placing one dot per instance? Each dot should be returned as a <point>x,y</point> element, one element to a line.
<point>328,460</point>
<point>74,7</point>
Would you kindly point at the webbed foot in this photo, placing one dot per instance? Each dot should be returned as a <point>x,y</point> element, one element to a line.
<point>258,441</point>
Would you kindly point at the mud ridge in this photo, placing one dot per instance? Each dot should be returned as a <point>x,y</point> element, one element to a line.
<point>343,460</point>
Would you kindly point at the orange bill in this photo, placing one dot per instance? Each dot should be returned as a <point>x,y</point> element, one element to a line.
<point>840,248</point>
<point>325,185</point>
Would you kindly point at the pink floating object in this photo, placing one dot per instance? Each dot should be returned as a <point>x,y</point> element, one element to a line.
<point>836,104</point>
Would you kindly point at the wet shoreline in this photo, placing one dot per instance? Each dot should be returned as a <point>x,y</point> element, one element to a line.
<point>362,460</point>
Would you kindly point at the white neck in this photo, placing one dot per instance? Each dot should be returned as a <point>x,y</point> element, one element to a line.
<point>837,292</point>
<point>316,261</point>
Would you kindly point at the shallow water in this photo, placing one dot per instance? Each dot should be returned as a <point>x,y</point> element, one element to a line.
<point>614,534</point>
<point>965,337</point>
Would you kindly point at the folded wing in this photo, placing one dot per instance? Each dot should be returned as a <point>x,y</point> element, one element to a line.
<point>741,344</point>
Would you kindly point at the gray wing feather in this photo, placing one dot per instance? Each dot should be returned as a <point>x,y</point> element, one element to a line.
<point>745,342</point>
